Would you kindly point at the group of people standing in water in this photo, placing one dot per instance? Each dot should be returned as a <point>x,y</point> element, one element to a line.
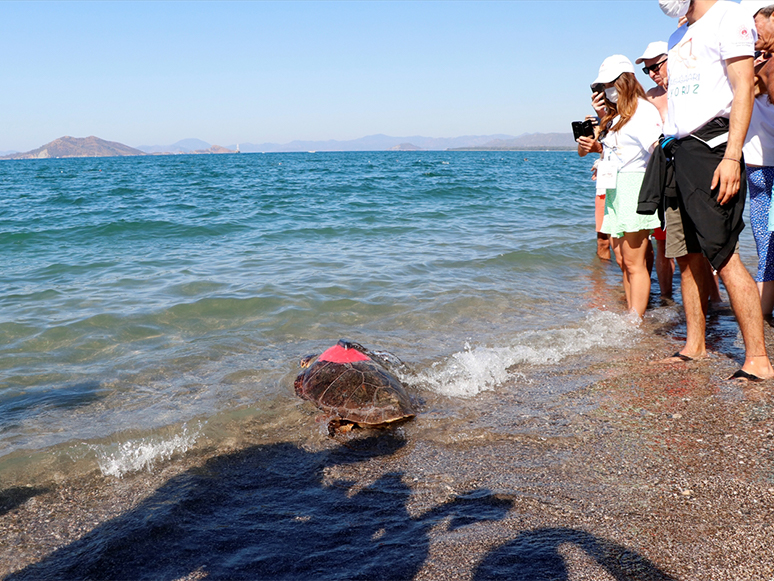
<point>676,162</point>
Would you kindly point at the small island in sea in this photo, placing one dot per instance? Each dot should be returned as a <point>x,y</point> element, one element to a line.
<point>95,147</point>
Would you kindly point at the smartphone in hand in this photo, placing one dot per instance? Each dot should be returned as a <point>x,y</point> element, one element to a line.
<point>583,129</point>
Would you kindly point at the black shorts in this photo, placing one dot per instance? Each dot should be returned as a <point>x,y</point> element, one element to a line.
<point>706,224</point>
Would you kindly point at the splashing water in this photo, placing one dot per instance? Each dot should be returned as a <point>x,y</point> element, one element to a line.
<point>143,454</point>
<point>476,369</point>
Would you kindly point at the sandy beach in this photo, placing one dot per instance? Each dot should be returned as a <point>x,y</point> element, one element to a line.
<point>636,471</point>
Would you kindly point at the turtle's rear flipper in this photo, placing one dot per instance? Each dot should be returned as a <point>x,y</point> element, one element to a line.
<point>389,360</point>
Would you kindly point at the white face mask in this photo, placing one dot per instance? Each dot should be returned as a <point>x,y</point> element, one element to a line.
<point>675,8</point>
<point>612,94</point>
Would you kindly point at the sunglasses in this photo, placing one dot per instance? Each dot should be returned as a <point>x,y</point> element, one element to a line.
<point>653,68</point>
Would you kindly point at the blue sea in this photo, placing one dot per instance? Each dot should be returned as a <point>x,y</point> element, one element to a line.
<point>153,306</point>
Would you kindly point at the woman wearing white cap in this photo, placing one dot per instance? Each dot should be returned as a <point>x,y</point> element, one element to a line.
<point>630,130</point>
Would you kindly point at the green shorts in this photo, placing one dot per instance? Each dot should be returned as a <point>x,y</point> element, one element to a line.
<point>621,207</point>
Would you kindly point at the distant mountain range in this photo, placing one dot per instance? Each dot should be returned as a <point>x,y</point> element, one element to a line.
<point>386,143</point>
<point>527,141</point>
<point>182,146</point>
<point>95,147</point>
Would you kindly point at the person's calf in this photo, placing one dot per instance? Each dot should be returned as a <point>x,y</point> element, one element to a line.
<point>745,302</point>
<point>693,289</point>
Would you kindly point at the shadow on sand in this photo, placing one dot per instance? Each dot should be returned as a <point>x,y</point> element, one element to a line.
<point>268,513</point>
<point>535,556</point>
<point>265,512</point>
<point>10,498</point>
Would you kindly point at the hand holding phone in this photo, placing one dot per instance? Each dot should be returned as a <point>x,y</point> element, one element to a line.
<point>598,102</point>
<point>583,129</point>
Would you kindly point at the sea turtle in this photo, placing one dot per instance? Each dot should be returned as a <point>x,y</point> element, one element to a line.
<point>354,387</point>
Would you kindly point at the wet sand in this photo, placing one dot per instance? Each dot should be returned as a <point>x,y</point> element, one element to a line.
<point>621,470</point>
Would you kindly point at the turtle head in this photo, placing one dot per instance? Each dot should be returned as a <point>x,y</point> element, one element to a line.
<point>306,361</point>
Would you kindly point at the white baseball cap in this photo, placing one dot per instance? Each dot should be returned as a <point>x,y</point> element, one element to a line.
<point>753,6</point>
<point>653,50</point>
<point>612,68</point>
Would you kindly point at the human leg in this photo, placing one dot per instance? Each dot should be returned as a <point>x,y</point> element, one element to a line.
<point>693,286</point>
<point>715,234</point>
<point>746,305</point>
<point>766,291</point>
<point>618,253</point>
<point>713,284</point>
<point>630,236</point>
<point>665,269</point>
<point>760,181</point>
<point>603,240</point>
<point>634,251</point>
<point>649,256</point>
<point>603,246</point>
<point>693,281</point>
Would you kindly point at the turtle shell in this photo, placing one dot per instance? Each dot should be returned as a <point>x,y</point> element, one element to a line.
<point>352,387</point>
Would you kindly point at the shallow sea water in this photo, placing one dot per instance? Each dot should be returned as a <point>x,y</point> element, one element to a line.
<point>155,309</point>
<point>145,293</point>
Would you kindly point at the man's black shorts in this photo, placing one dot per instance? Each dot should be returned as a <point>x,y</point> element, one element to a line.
<point>713,227</point>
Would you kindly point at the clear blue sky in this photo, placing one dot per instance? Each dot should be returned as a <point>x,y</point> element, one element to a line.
<point>148,73</point>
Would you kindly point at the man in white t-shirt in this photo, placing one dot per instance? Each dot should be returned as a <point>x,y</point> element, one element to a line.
<point>710,98</point>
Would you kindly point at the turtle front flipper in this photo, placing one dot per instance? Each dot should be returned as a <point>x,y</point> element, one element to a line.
<point>339,426</point>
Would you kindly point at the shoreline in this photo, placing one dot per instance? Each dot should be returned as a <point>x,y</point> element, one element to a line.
<point>632,470</point>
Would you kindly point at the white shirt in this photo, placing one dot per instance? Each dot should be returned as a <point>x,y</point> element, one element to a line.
<point>631,146</point>
<point>759,145</point>
<point>699,89</point>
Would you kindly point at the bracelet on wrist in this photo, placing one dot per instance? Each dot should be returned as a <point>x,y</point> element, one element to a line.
<point>732,159</point>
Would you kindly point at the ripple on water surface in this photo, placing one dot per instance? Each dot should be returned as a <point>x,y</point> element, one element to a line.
<point>154,280</point>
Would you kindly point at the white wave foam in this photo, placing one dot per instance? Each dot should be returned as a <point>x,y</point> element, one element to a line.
<point>476,369</point>
<point>135,455</point>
